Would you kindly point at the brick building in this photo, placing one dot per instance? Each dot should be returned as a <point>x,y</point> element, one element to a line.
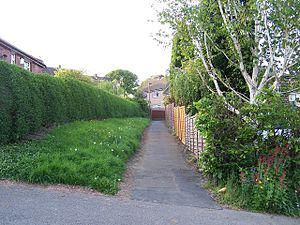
<point>155,89</point>
<point>14,55</point>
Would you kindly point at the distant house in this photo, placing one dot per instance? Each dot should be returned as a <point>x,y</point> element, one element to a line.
<point>50,70</point>
<point>14,55</point>
<point>98,78</point>
<point>155,89</point>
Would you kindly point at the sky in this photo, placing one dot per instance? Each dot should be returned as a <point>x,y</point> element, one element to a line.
<point>96,36</point>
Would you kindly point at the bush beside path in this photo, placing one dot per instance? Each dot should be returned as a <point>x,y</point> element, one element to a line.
<point>29,102</point>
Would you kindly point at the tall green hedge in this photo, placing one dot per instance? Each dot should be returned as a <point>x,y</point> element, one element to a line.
<point>30,101</point>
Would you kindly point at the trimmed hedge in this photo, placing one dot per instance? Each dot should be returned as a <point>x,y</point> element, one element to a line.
<point>30,101</point>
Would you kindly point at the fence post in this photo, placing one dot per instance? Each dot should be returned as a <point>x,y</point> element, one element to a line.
<point>185,128</point>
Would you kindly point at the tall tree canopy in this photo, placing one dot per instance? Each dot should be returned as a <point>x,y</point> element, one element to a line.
<point>251,43</point>
<point>74,74</point>
<point>111,87</point>
<point>125,79</point>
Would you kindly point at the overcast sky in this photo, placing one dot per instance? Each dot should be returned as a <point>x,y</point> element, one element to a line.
<point>93,35</point>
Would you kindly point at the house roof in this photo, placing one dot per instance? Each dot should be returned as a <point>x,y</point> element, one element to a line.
<point>156,87</point>
<point>96,77</point>
<point>156,83</point>
<point>50,70</point>
<point>14,48</point>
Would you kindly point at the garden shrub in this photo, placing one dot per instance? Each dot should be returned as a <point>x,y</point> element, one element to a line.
<point>139,99</point>
<point>236,143</point>
<point>268,184</point>
<point>30,101</point>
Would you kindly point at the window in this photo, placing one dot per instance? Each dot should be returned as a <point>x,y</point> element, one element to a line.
<point>13,59</point>
<point>155,94</point>
<point>156,106</point>
<point>27,65</point>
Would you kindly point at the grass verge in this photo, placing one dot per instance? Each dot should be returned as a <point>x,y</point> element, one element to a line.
<point>87,153</point>
<point>233,197</point>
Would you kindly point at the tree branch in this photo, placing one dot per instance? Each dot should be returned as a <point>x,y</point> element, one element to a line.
<point>237,47</point>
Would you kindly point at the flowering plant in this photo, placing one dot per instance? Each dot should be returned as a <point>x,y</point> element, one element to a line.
<point>267,182</point>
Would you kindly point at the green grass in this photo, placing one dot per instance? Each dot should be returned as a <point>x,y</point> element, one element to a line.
<point>90,153</point>
<point>235,198</point>
<point>232,197</point>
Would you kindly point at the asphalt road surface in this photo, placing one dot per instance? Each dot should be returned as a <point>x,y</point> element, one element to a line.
<point>165,190</point>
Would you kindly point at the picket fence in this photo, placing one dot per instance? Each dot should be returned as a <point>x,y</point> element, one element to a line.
<point>185,129</point>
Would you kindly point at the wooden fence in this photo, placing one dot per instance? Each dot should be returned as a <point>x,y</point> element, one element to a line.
<point>185,129</point>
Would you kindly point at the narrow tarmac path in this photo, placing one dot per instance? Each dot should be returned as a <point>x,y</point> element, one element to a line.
<point>163,176</point>
<point>165,191</point>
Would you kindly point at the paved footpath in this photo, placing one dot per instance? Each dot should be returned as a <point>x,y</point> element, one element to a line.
<point>165,191</point>
<point>163,176</point>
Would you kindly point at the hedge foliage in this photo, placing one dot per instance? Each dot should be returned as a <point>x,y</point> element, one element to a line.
<point>30,101</point>
<point>255,153</point>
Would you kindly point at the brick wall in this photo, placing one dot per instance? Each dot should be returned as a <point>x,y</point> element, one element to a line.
<point>154,101</point>
<point>34,67</point>
<point>4,51</point>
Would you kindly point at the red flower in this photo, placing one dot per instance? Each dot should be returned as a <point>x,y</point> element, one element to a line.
<point>270,159</point>
<point>277,166</point>
<point>282,179</point>
<point>287,155</point>
<point>276,150</point>
<point>262,159</point>
<point>286,148</point>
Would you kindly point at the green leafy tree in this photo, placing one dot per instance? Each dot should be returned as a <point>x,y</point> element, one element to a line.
<point>139,98</point>
<point>74,74</point>
<point>111,87</point>
<point>124,79</point>
<point>259,40</point>
<point>186,84</point>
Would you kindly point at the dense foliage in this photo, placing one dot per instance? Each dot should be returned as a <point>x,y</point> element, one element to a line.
<point>29,101</point>
<point>188,78</point>
<point>139,99</point>
<point>186,86</point>
<point>71,73</point>
<point>127,80</point>
<point>111,87</point>
<point>88,153</point>
<point>239,46</point>
<point>246,54</point>
<point>253,149</point>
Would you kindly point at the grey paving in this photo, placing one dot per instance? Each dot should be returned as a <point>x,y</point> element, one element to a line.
<point>166,191</point>
<point>23,205</point>
<point>162,174</point>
